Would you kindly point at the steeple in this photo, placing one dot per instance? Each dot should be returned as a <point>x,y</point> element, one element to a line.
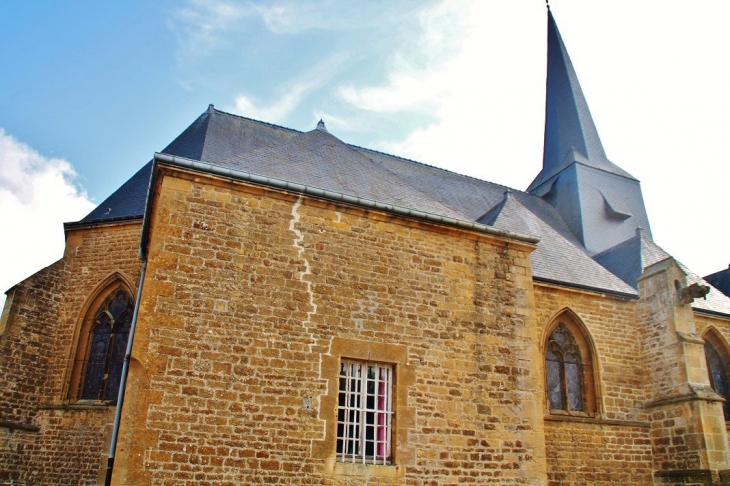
<point>570,134</point>
<point>601,203</point>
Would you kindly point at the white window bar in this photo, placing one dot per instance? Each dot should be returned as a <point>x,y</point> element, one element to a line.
<point>365,413</point>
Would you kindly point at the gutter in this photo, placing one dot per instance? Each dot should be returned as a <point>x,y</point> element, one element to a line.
<point>558,283</point>
<point>130,339</point>
<point>708,312</point>
<point>123,380</point>
<point>238,175</point>
<point>117,219</point>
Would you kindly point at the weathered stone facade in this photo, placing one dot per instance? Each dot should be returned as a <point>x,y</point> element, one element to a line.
<point>490,343</point>
<point>46,438</point>
<point>250,294</point>
<point>251,298</point>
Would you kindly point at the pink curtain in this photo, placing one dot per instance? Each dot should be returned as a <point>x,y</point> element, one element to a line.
<point>382,404</point>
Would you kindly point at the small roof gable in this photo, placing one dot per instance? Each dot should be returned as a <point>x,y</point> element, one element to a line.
<point>570,133</point>
<point>556,259</point>
<point>720,280</point>
<point>126,202</point>
<point>628,260</point>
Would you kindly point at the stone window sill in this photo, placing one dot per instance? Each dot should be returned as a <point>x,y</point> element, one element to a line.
<point>586,419</point>
<point>367,470</point>
<point>82,405</point>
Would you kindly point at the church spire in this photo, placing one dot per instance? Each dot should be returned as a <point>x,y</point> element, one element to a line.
<point>570,134</point>
<point>600,202</point>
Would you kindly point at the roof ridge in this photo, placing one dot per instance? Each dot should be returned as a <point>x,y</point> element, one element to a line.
<point>406,159</point>
<point>615,247</point>
<point>239,157</point>
<point>273,125</point>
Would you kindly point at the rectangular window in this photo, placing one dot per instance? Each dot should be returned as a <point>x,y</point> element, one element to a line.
<point>365,413</point>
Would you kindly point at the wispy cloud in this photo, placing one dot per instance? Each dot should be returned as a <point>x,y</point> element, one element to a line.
<point>448,72</point>
<point>202,26</point>
<point>286,102</point>
<point>289,95</point>
<point>37,194</point>
<point>420,71</point>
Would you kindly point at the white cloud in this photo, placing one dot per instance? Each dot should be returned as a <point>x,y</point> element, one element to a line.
<point>277,111</point>
<point>453,71</point>
<point>37,195</point>
<point>289,95</point>
<point>202,26</point>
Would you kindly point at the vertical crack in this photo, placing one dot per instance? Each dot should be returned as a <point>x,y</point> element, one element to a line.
<point>298,240</point>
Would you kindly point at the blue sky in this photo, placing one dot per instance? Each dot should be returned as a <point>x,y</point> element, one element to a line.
<point>90,90</point>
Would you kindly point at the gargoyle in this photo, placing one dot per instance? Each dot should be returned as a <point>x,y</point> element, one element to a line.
<point>687,295</point>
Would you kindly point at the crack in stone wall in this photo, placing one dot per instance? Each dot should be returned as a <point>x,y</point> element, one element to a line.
<point>298,240</point>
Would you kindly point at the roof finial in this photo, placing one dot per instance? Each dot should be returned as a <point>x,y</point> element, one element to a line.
<point>547,4</point>
<point>320,125</point>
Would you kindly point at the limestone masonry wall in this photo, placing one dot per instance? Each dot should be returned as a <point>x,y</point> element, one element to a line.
<point>253,296</point>
<point>45,438</point>
<point>614,447</point>
<point>247,292</point>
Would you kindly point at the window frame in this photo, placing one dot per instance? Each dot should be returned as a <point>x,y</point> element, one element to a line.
<point>587,368</point>
<point>715,341</point>
<point>365,412</point>
<point>402,452</point>
<point>94,308</point>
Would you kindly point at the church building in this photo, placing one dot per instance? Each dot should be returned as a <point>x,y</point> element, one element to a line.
<point>263,305</point>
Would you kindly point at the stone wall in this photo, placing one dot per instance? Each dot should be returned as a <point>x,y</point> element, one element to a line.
<point>613,446</point>
<point>598,453</point>
<point>248,293</point>
<point>45,438</point>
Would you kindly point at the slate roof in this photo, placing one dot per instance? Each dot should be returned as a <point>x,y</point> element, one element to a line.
<point>570,134</point>
<point>127,202</point>
<point>628,260</point>
<point>715,302</point>
<point>720,280</point>
<point>556,259</point>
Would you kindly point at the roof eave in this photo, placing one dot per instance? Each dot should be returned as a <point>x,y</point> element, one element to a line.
<point>281,184</point>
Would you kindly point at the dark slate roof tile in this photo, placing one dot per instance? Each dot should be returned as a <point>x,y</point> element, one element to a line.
<point>126,202</point>
<point>720,280</point>
<point>321,160</point>
<point>557,259</point>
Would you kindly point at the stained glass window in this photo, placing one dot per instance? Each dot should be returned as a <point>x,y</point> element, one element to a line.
<point>718,375</point>
<point>107,346</point>
<point>565,371</point>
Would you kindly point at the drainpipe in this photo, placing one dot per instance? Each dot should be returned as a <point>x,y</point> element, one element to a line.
<point>123,381</point>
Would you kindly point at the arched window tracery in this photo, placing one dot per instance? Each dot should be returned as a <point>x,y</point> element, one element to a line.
<point>717,369</point>
<point>107,344</point>
<point>569,370</point>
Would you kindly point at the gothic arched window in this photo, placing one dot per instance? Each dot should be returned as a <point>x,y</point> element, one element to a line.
<point>717,368</point>
<point>107,345</point>
<point>568,371</point>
